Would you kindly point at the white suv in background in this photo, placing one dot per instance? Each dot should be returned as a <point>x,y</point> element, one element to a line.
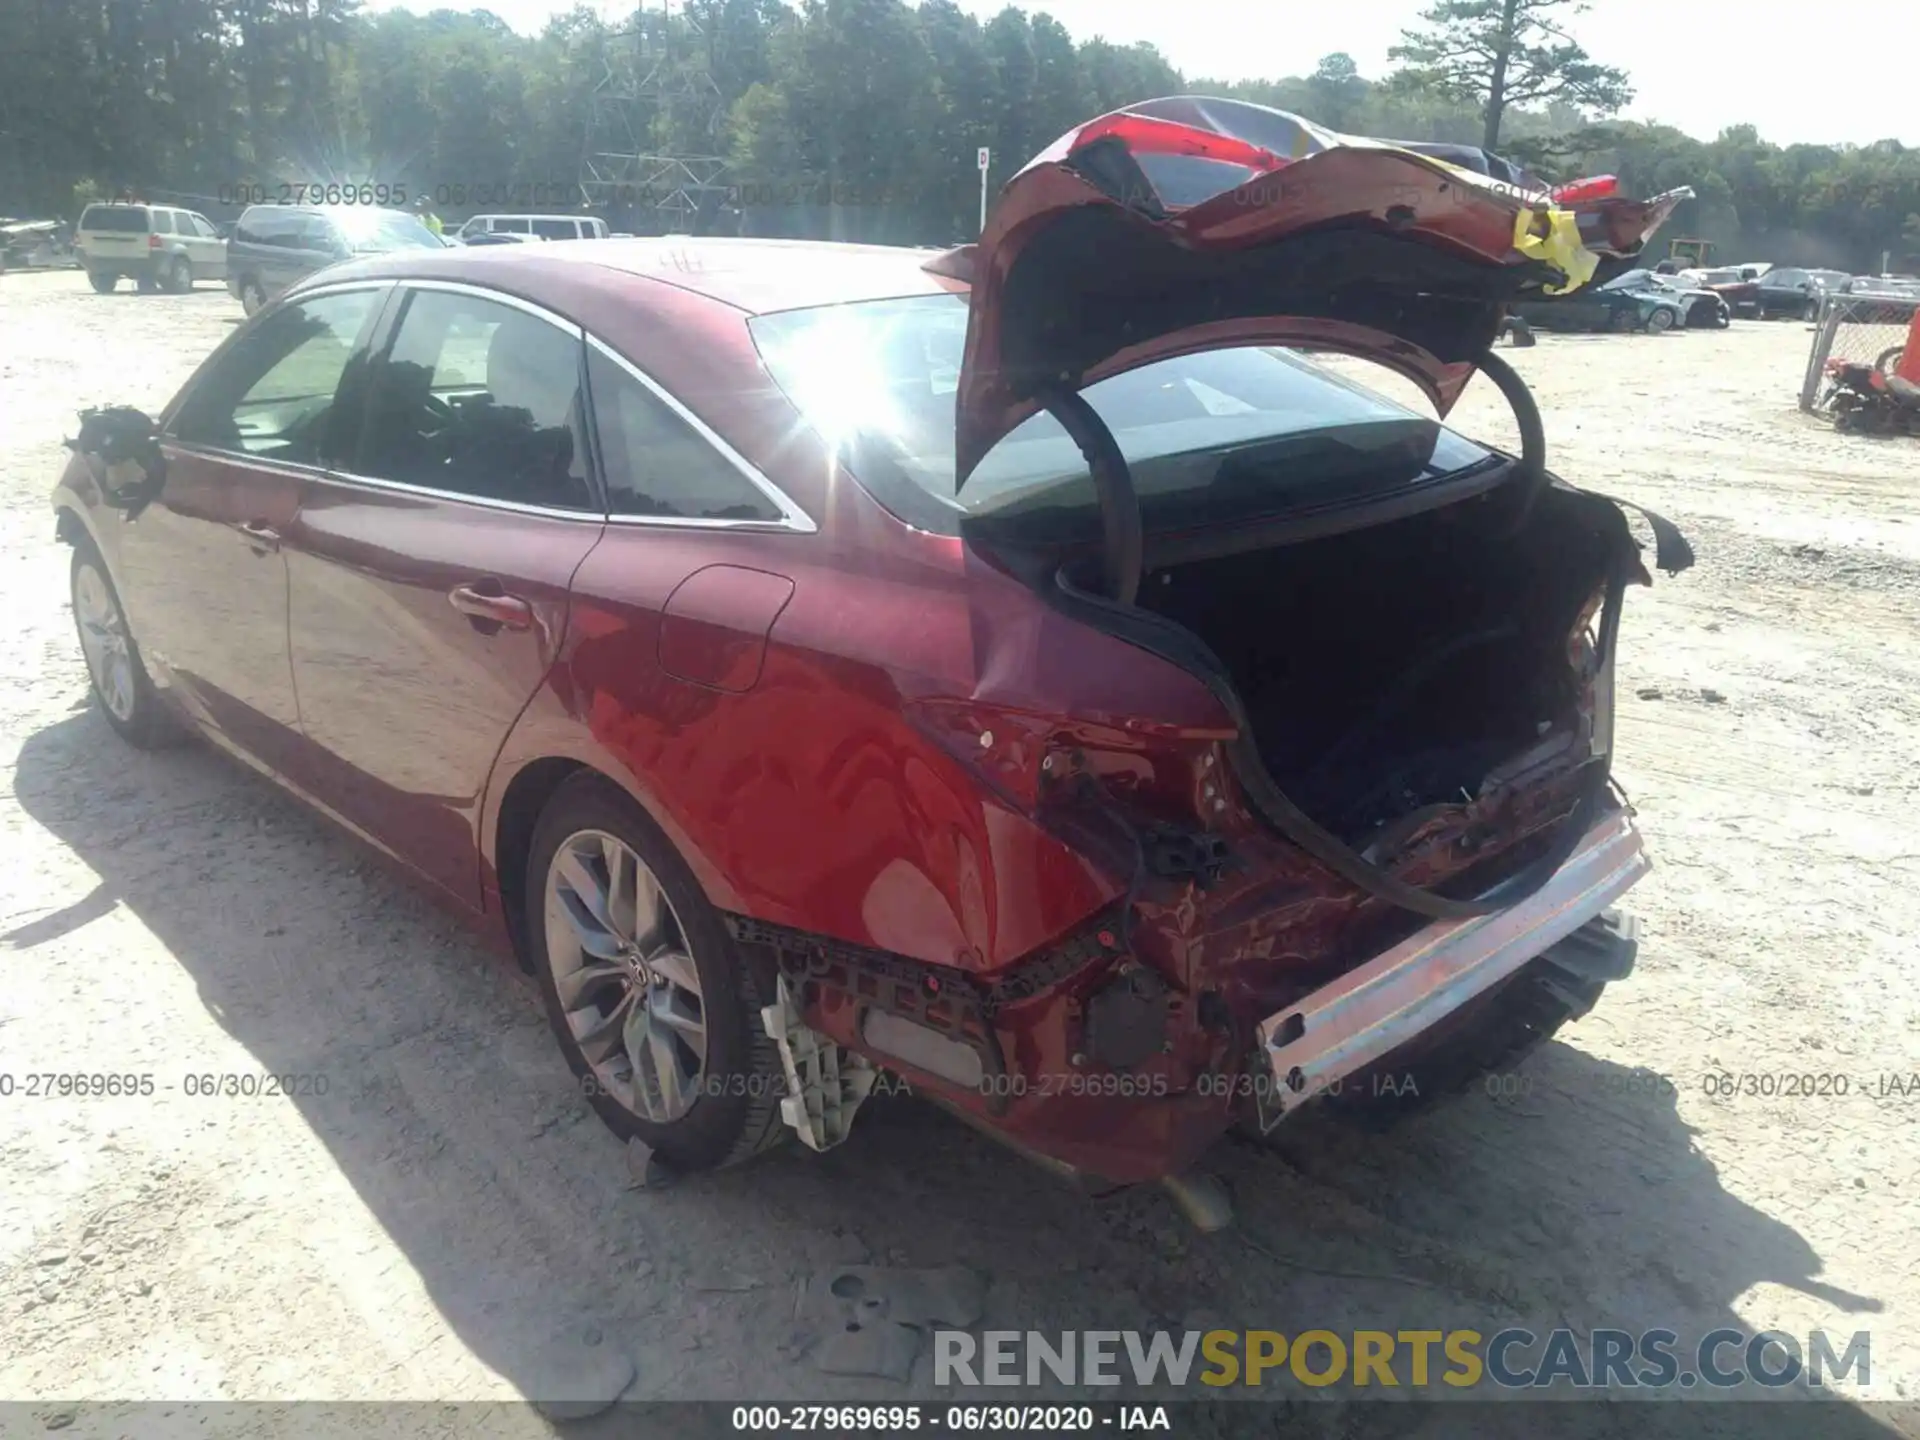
<point>160,246</point>
<point>540,227</point>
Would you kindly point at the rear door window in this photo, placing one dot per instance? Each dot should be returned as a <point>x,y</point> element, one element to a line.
<point>481,399</point>
<point>657,463</point>
<point>556,229</point>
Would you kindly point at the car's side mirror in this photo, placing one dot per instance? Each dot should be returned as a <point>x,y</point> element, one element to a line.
<point>121,446</point>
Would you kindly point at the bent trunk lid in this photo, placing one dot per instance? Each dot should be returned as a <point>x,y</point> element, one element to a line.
<point>1191,224</point>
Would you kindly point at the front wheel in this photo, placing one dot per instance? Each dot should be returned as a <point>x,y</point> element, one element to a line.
<point>116,674</point>
<point>252,297</point>
<point>656,1010</point>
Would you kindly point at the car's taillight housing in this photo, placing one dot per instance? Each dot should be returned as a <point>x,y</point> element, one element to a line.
<point>1032,760</point>
<point>1595,671</point>
<point>153,242</point>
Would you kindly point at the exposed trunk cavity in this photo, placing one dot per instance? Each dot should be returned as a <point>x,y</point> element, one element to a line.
<point>1396,668</point>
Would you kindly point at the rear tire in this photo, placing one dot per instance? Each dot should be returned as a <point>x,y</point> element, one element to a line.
<point>102,281</point>
<point>252,297</point>
<point>115,673</point>
<point>180,276</point>
<point>1660,321</point>
<point>699,1105</point>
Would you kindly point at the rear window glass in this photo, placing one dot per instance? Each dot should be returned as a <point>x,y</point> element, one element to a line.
<point>126,219</point>
<point>556,229</point>
<point>1215,437</point>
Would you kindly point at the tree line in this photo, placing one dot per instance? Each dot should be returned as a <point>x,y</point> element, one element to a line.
<point>859,119</point>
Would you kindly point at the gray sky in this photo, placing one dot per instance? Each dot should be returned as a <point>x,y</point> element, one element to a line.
<point>1699,66</point>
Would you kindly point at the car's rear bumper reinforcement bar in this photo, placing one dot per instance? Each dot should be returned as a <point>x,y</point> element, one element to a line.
<point>1345,1026</point>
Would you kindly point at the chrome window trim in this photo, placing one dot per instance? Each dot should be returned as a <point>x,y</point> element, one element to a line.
<point>292,469</point>
<point>484,502</point>
<point>793,518</point>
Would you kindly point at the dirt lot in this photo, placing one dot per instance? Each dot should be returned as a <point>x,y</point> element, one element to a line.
<point>449,1207</point>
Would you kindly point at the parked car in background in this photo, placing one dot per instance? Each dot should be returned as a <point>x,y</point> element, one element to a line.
<point>1606,308</point>
<point>539,227</point>
<point>274,245</point>
<point>1701,309</point>
<point>158,246</point>
<point>1797,294</point>
<point>1894,287</point>
<point>35,244</point>
<point>1739,288</point>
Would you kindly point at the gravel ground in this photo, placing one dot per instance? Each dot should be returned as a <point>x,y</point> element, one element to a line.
<point>448,1208</point>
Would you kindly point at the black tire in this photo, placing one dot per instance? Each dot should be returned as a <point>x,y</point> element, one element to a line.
<point>735,1114</point>
<point>1660,321</point>
<point>102,281</point>
<point>180,275</point>
<point>142,720</point>
<point>252,296</point>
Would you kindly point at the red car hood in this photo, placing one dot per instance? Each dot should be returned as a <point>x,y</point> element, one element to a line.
<point>1193,224</point>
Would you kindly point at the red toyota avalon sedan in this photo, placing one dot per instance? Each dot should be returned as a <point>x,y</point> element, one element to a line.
<point>1016,669</point>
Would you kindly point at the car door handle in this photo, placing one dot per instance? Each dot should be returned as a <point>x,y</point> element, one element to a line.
<point>508,611</point>
<point>260,535</point>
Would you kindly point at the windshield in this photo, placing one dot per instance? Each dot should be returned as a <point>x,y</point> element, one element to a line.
<point>373,231</point>
<point>1216,437</point>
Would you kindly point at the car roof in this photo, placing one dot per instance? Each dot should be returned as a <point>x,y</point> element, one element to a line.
<point>754,276</point>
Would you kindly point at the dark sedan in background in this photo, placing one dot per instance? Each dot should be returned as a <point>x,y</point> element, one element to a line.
<point>1605,308</point>
<point>1797,294</point>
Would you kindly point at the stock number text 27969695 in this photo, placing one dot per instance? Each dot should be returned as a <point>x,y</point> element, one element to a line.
<point>313,192</point>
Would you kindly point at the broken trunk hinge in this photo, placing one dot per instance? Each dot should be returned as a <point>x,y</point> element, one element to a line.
<point>1175,854</point>
<point>825,1082</point>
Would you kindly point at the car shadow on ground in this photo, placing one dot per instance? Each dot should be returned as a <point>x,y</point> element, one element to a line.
<point>1578,1199</point>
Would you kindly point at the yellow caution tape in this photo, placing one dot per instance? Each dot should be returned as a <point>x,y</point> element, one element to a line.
<point>1553,236</point>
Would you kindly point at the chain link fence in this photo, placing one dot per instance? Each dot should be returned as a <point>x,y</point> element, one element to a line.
<point>1859,330</point>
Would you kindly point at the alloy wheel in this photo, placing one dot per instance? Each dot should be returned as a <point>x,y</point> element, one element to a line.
<point>625,975</point>
<point>104,642</point>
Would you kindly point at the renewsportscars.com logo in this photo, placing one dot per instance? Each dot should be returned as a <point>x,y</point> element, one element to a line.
<point>1513,1359</point>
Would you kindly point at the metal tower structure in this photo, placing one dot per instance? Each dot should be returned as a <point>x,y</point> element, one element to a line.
<point>655,124</point>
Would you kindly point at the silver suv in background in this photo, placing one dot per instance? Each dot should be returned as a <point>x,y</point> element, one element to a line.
<point>274,245</point>
<point>162,247</point>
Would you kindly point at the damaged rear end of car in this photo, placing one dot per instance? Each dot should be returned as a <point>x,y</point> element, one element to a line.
<point>1386,859</point>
